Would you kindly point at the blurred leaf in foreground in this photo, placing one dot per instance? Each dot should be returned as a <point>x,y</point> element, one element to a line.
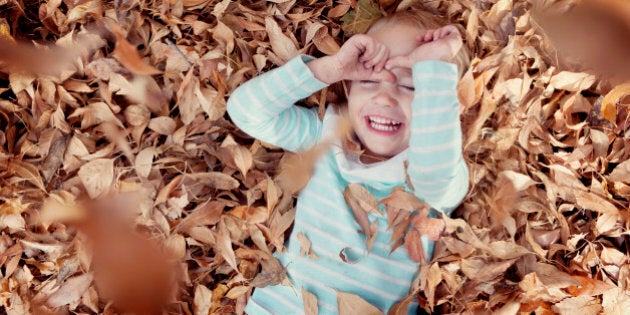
<point>594,34</point>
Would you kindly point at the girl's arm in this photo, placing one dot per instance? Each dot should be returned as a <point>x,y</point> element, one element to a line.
<point>263,106</point>
<point>436,165</point>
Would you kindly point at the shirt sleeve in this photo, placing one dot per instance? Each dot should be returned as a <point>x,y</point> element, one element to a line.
<point>263,107</point>
<point>437,169</point>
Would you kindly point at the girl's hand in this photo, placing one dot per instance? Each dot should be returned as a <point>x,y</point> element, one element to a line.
<point>361,57</point>
<point>438,44</point>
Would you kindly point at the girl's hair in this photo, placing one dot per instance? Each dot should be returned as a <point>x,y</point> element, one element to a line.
<point>416,15</point>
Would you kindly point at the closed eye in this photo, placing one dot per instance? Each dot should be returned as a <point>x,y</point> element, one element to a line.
<point>368,82</point>
<point>410,88</point>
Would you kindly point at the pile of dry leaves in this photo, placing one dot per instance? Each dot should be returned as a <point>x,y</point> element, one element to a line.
<point>125,187</point>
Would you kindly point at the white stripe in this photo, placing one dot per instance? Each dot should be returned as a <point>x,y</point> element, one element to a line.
<point>284,87</point>
<point>440,191</point>
<point>341,243</point>
<point>258,106</point>
<point>433,93</point>
<point>435,129</point>
<point>281,299</point>
<point>429,182</point>
<point>435,167</point>
<point>339,226</point>
<point>321,287</point>
<point>323,251</point>
<point>348,280</point>
<point>241,111</point>
<point>281,131</point>
<point>295,78</point>
<point>275,102</point>
<point>436,148</point>
<point>325,305</point>
<point>324,287</point>
<point>442,76</point>
<point>432,111</point>
<point>383,230</point>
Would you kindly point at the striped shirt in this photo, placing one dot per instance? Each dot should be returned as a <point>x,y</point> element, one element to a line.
<point>264,108</point>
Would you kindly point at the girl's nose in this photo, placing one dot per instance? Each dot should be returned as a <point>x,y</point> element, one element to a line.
<point>384,96</point>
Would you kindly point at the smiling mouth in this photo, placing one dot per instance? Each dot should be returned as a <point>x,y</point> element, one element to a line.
<point>383,124</point>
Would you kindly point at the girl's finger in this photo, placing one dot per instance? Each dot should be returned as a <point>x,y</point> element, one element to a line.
<point>367,57</point>
<point>384,75</point>
<point>366,49</point>
<point>381,58</point>
<point>399,61</point>
<point>428,36</point>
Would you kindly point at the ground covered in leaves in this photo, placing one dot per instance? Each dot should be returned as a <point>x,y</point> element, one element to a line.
<point>125,187</point>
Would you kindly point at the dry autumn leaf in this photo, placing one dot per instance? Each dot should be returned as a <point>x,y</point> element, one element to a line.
<point>310,303</point>
<point>580,31</point>
<point>353,304</point>
<point>97,176</point>
<point>128,55</point>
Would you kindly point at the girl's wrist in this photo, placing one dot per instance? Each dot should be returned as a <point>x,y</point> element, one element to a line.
<point>323,70</point>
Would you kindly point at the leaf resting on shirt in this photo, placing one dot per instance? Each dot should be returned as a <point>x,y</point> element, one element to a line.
<point>305,246</point>
<point>353,304</point>
<point>361,201</point>
<point>310,303</point>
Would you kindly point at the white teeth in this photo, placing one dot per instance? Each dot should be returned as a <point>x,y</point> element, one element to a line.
<point>384,124</point>
<point>384,121</point>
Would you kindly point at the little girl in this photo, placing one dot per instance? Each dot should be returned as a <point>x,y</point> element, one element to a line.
<point>403,108</point>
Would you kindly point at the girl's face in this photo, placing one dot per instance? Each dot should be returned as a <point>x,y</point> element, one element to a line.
<point>380,111</point>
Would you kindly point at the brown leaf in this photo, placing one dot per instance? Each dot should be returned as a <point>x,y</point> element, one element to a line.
<point>481,270</point>
<point>362,197</point>
<point>202,300</point>
<point>353,304</point>
<point>216,180</point>
<point>585,305</point>
<point>413,245</point>
<point>358,20</point>
<point>609,103</point>
<point>295,169</point>
<point>120,255</point>
<point>305,246</point>
<point>593,202</point>
<point>97,177</point>
<point>224,245</point>
<point>61,206</point>
<point>70,291</point>
<point>144,162</point>
<point>310,303</point>
<point>588,286</point>
<point>403,200</point>
<point>401,307</point>
<point>25,172</point>
<point>163,125</point>
<point>240,155</point>
<point>128,56</point>
<point>236,292</point>
<point>431,227</point>
<point>582,30</point>
<point>361,201</point>
<point>92,8</point>
<point>282,45</point>
<point>22,57</point>
<point>208,213</point>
